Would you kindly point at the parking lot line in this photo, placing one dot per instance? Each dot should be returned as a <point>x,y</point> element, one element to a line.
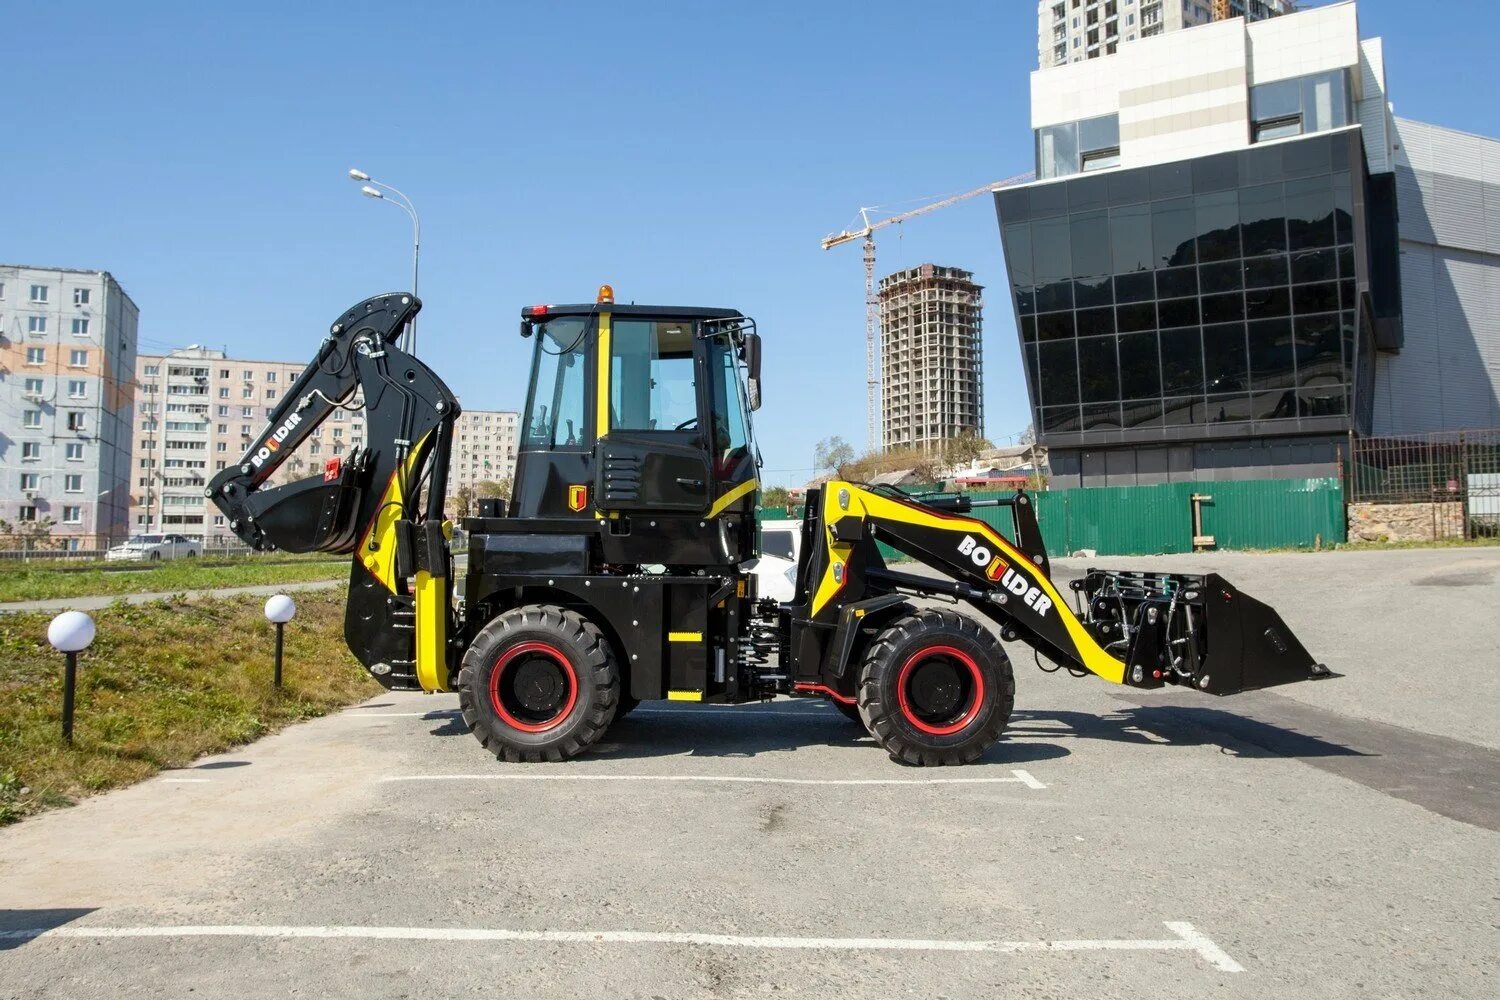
<point>1185,937</point>
<point>1018,776</point>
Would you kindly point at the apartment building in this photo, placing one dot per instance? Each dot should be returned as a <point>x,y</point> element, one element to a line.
<point>197,411</point>
<point>484,447</point>
<point>1075,30</point>
<point>930,356</point>
<point>67,354</point>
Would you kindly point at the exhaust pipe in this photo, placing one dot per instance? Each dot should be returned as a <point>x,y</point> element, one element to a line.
<point>1194,631</point>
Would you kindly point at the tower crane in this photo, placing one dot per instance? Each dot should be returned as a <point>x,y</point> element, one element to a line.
<point>866,232</point>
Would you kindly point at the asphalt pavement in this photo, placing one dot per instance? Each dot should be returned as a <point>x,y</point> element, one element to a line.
<point>1324,840</point>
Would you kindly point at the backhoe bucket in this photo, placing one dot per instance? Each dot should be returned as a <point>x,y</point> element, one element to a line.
<point>1198,631</point>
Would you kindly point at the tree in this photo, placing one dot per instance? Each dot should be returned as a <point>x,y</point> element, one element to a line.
<point>463,502</point>
<point>964,449</point>
<point>775,496</point>
<point>832,453</point>
<point>488,488</point>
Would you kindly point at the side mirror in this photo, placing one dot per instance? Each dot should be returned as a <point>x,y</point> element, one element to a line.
<point>527,328</point>
<point>752,367</point>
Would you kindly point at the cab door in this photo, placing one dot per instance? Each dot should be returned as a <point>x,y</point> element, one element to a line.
<point>651,454</point>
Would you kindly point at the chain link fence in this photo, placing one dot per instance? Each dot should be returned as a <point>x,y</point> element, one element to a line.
<point>1429,487</point>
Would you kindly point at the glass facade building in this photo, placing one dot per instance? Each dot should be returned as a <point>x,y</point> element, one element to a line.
<point>1216,298</point>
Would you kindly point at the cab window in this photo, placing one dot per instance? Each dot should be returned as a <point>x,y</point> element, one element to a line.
<point>652,381</point>
<point>555,402</point>
<point>731,430</point>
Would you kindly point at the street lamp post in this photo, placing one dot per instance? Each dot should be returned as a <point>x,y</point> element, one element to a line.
<point>376,190</point>
<point>158,414</point>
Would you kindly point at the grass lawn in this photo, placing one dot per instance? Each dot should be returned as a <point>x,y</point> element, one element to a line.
<point>43,580</point>
<point>164,683</point>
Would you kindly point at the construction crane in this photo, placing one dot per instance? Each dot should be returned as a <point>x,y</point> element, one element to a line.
<point>866,232</point>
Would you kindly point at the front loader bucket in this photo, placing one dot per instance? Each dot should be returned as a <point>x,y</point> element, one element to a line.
<point>1198,631</point>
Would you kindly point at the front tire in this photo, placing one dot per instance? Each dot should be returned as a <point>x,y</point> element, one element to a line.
<point>936,688</point>
<point>538,683</point>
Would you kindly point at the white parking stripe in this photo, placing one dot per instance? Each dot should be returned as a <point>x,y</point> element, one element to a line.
<point>1187,938</point>
<point>1017,777</point>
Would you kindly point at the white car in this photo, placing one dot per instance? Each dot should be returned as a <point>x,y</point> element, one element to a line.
<point>776,568</point>
<point>154,548</point>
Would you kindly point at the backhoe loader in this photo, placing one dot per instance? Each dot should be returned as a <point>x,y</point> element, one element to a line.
<point>621,568</point>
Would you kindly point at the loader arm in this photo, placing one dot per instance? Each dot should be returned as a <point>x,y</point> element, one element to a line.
<point>382,502</point>
<point>1135,628</point>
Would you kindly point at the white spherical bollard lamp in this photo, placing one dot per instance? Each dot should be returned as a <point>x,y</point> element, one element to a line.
<point>70,633</point>
<point>280,609</point>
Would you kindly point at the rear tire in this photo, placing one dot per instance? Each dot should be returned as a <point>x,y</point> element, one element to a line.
<point>538,683</point>
<point>936,688</point>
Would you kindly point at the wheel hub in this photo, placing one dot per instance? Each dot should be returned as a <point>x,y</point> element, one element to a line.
<point>940,690</point>
<point>533,687</point>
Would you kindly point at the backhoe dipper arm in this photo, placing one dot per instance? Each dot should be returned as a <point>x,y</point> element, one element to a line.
<point>383,501</point>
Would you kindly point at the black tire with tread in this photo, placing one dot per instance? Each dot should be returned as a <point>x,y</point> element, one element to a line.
<point>592,660</point>
<point>878,674</point>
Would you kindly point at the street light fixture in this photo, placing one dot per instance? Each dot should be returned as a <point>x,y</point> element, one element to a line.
<point>377,189</point>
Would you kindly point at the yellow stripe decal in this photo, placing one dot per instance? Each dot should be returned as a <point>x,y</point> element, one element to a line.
<point>684,695</point>
<point>733,495</point>
<point>601,370</point>
<point>684,636</point>
<point>377,549</point>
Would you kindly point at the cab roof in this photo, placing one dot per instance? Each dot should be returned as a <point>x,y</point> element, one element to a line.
<point>614,309</point>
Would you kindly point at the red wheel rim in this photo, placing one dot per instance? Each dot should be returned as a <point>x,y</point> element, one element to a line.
<point>907,702</point>
<point>530,651</point>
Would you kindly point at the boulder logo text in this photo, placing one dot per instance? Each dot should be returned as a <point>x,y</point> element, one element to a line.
<point>995,568</point>
<point>273,445</point>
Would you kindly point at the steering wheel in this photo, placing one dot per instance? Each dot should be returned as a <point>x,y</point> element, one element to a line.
<point>687,424</point>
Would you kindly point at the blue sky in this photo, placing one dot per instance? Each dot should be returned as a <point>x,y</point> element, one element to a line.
<point>690,153</point>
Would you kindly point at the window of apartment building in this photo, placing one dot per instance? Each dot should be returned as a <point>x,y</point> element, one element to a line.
<point>80,327</point>
<point>31,419</point>
<point>1301,105</point>
<point>29,480</point>
<point>76,421</point>
<point>270,393</point>
<point>77,388</point>
<point>248,392</point>
<point>223,411</point>
<point>223,392</point>
<point>73,483</point>
<point>271,377</point>
<point>245,412</point>
<point>2,291</point>
<point>219,466</point>
<point>151,371</point>
<point>39,293</point>
<point>27,513</point>
<point>36,324</point>
<point>222,446</point>
<point>81,296</point>
<point>223,428</point>
<point>247,375</point>
<point>78,358</point>
<point>31,450</point>
<point>36,355</point>
<point>72,515</point>
<point>223,373</point>
<point>34,387</point>
<point>74,451</point>
<point>1091,144</point>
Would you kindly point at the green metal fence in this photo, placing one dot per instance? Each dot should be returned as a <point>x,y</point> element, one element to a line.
<point>1141,520</point>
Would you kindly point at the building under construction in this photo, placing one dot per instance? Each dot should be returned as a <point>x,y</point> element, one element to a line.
<point>930,356</point>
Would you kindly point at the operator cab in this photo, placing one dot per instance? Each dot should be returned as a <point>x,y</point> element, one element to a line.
<point>643,412</point>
